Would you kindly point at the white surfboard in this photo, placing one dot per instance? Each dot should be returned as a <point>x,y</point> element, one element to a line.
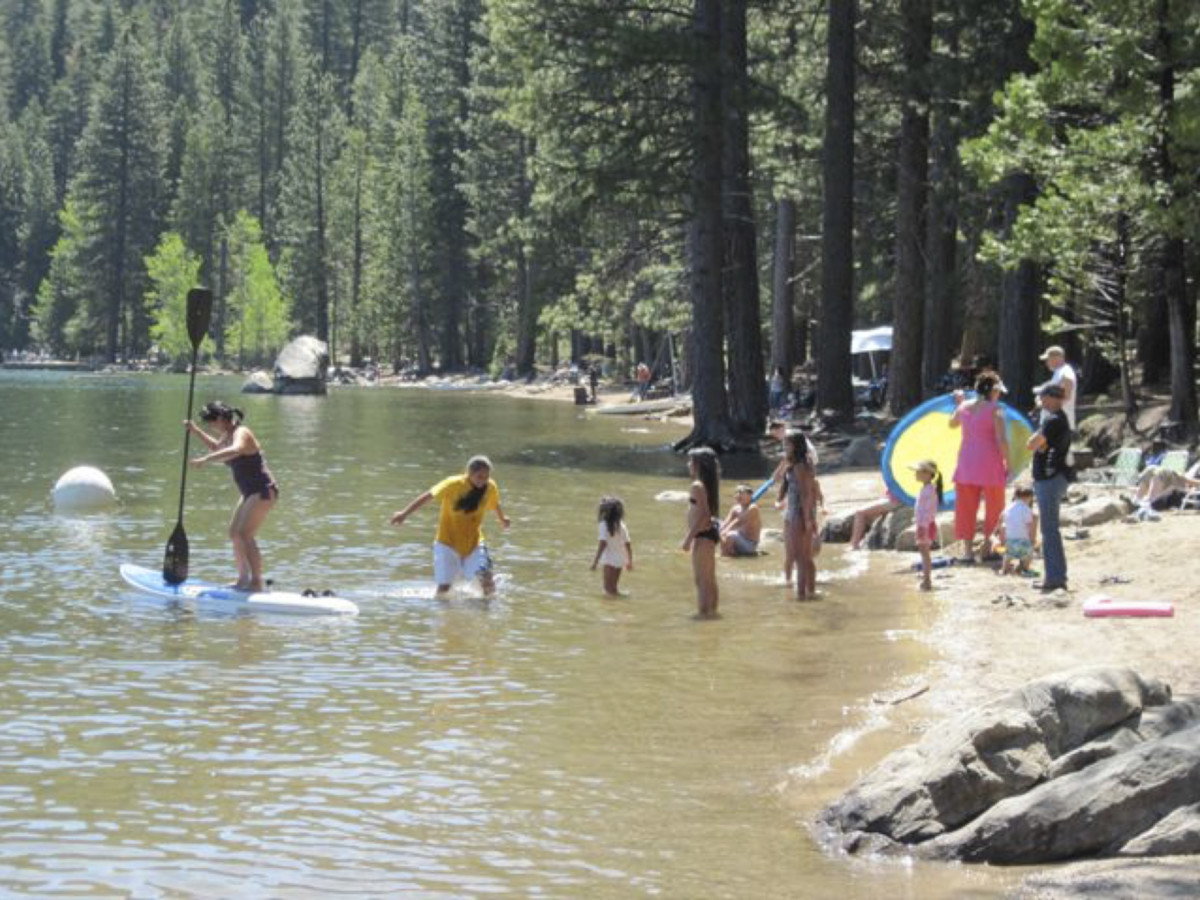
<point>151,581</point>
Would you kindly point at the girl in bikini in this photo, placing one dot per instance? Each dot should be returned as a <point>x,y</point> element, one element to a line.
<point>704,532</point>
<point>799,489</point>
<point>236,446</point>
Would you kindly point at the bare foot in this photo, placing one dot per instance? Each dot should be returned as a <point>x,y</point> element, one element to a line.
<point>926,585</point>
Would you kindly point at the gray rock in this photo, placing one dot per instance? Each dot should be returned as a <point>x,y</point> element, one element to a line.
<point>1176,834</point>
<point>301,367</point>
<point>1095,511</point>
<point>1095,811</point>
<point>258,383</point>
<point>958,771</point>
<point>837,529</point>
<point>1125,879</point>
<point>896,523</point>
<point>862,452</point>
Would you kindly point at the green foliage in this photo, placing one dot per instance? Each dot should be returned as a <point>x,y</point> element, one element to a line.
<point>60,322</point>
<point>257,320</point>
<point>173,271</point>
<point>1088,125</point>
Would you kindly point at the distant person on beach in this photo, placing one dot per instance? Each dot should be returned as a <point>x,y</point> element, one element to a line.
<point>704,533</point>
<point>458,548</point>
<point>1062,374</point>
<point>236,446</point>
<point>1051,446</point>
<point>982,468</point>
<point>928,501</point>
<point>594,379</point>
<point>798,491</point>
<point>1017,528</point>
<point>615,550</point>
<point>642,374</point>
<point>778,390</point>
<point>742,528</point>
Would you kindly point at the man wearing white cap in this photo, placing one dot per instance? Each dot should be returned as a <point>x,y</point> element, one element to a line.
<point>1062,373</point>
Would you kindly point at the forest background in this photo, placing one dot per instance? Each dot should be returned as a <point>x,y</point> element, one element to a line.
<point>486,184</point>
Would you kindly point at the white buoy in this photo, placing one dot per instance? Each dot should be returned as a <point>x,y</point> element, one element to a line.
<point>82,489</point>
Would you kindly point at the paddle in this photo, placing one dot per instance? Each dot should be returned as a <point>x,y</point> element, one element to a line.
<point>199,311</point>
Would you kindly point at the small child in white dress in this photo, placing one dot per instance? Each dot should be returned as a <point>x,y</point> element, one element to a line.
<point>615,550</point>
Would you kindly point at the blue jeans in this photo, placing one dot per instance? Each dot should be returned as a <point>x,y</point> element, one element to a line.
<point>1050,494</point>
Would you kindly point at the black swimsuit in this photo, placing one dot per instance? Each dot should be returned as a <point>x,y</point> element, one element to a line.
<point>252,476</point>
<point>712,532</point>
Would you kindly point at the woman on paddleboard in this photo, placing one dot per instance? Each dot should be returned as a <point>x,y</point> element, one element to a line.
<point>458,549</point>
<point>236,446</point>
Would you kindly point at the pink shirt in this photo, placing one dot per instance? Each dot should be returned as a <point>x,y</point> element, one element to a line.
<point>980,461</point>
<point>927,506</point>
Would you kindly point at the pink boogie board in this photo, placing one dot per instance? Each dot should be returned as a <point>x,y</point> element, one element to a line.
<point>1102,606</point>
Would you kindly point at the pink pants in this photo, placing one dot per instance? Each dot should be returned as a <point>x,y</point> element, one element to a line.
<point>966,508</point>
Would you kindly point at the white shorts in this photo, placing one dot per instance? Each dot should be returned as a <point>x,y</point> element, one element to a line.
<point>448,566</point>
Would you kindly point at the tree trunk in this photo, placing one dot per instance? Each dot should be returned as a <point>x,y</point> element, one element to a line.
<point>710,407</point>
<point>356,269</point>
<point>941,308</point>
<point>834,390</point>
<point>1120,282</point>
<point>747,381</point>
<point>912,176</point>
<point>1181,321</point>
<point>783,288</point>
<point>1020,290</point>
<point>527,311</point>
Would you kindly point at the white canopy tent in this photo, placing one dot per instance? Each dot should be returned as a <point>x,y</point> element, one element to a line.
<point>871,341</point>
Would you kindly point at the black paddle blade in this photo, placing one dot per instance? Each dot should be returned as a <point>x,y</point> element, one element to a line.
<point>199,313</point>
<point>175,563</point>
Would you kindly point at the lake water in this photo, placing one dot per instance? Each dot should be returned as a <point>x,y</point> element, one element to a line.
<point>550,743</point>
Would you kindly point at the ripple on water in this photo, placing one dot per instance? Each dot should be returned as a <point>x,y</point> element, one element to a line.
<point>548,741</point>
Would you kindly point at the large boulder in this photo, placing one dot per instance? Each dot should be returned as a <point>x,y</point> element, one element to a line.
<point>258,382</point>
<point>1096,511</point>
<point>301,367</point>
<point>1095,762</point>
<point>862,452</point>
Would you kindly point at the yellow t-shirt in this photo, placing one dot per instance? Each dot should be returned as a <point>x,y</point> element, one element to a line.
<point>458,529</point>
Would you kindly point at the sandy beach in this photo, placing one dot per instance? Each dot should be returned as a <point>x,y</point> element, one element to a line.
<point>989,634</point>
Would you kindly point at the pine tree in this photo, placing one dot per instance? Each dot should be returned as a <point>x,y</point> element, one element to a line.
<point>314,138</point>
<point>117,192</point>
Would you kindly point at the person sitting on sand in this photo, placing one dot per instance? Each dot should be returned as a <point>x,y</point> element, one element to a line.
<point>1017,528</point>
<point>864,518</point>
<point>1162,488</point>
<point>742,528</point>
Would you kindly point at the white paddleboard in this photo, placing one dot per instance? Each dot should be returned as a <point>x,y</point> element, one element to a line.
<point>285,603</point>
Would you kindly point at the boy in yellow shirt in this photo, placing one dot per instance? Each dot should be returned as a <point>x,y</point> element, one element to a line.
<point>458,548</point>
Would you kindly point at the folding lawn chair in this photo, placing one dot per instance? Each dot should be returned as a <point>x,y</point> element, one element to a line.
<point>1123,472</point>
<point>1175,461</point>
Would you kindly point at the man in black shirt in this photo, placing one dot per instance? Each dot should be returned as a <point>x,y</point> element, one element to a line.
<point>1051,446</point>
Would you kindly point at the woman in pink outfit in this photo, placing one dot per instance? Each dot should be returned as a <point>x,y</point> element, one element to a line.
<point>982,463</point>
